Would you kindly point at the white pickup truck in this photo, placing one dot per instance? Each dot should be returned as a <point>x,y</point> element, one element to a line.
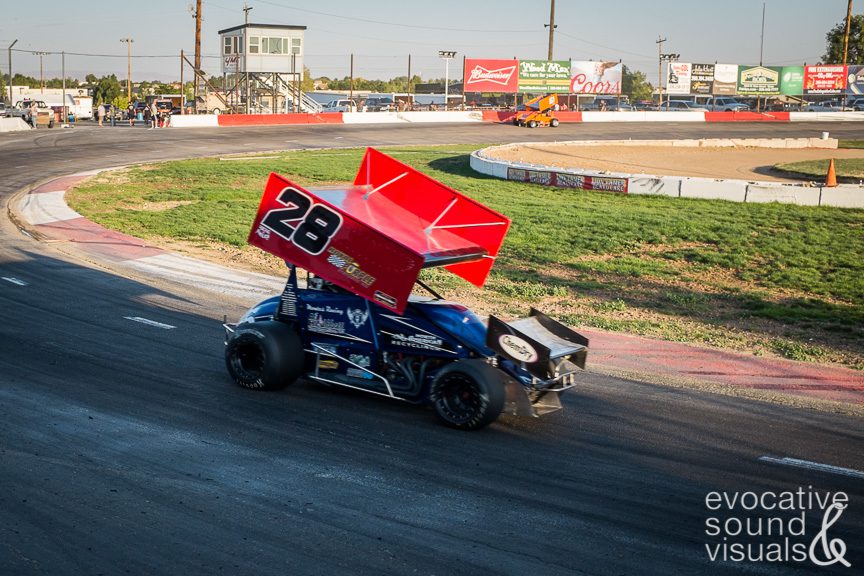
<point>44,114</point>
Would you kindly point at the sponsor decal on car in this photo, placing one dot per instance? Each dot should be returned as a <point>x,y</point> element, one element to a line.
<point>423,341</point>
<point>349,267</point>
<point>327,309</point>
<point>360,360</point>
<point>318,323</point>
<point>358,317</point>
<point>385,299</point>
<point>517,348</point>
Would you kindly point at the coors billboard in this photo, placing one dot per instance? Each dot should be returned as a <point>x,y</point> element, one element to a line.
<point>491,75</point>
<point>589,77</point>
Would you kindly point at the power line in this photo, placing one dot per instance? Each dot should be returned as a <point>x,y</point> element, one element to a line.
<point>383,23</point>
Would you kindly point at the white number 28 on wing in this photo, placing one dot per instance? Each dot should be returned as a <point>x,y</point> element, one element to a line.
<point>307,225</point>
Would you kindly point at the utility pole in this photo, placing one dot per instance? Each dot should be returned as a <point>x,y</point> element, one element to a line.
<point>846,37</point>
<point>128,42</point>
<point>41,75</point>
<point>762,39</point>
<point>10,70</point>
<point>246,9</point>
<point>197,47</point>
<point>551,27</point>
<point>659,43</point>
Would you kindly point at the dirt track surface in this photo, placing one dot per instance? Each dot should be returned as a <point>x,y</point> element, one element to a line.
<point>736,163</point>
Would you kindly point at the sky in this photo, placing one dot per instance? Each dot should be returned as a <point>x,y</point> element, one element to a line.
<point>382,34</point>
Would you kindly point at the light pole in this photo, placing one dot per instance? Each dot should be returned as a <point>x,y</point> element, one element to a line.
<point>128,42</point>
<point>10,70</point>
<point>41,74</point>
<point>447,55</point>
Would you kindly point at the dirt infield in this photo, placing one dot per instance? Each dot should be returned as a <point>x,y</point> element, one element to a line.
<point>736,163</point>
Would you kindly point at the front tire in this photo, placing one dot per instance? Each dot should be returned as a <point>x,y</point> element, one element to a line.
<point>468,394</point>
<point>532,124</point>
<point>264,355</point>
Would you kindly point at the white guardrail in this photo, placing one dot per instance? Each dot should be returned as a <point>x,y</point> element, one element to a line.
<point>842,196</point>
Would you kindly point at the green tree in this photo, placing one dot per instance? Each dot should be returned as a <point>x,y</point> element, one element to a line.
<point>834,42</point>
<point>4,91</point>
<point>21,80</point>
<point>635,85</point>
<point>307,84</point>
<point>107,89</point>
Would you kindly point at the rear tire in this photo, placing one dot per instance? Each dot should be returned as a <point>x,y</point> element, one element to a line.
<point>468,394</point>
<point>264,355</point>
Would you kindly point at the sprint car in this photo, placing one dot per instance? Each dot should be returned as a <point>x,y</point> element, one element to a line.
<point>357,321</point>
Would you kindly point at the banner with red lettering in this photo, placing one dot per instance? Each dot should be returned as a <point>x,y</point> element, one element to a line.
<point>829,79</point>
<point>589,77</point>
<point>491,75</point>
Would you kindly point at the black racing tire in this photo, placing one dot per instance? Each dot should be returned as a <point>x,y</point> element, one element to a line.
<point>516,122</point>
<point>553,122</point>
<point>468,394</point>
<point>532,124</point>
<point>264,355</point>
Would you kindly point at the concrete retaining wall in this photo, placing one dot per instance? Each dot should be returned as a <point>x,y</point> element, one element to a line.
<point>13,125</point>
<point>843,196</point>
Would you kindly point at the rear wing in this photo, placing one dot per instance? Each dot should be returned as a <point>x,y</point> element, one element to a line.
<point>542,103</point>
<point>374,237</point>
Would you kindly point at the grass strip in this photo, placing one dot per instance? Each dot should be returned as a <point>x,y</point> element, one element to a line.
<point>771,279</point>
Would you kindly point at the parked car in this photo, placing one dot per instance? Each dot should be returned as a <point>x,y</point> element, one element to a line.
<point>683,106</point>
<point>2,109</point>
<point>829,106</point>
<point>379,104</point>
<point>726,104</point>
<point>340,105</point>
<point>856,104</point>
<point>646,105</point>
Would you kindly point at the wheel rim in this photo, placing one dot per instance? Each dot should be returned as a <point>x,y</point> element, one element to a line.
<point>460,398</point>
<point>248,359</point>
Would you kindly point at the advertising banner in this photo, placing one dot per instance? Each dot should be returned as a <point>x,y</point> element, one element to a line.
<point>544,76</point>
<point>759,80</point>
<point>855,81</point>
<point>491,75</point>
<point>566,180</point>
<point>825,79</point>
<point>792,80</point>
<point>589,77</point>
<point>679,78</point>
<point>702,79</point>
<point>725,79</point>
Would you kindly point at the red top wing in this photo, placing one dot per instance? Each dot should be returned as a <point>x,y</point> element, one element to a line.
<point>374,237</point>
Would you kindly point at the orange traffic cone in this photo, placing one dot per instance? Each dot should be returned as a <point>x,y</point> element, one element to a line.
<point>831,177</point>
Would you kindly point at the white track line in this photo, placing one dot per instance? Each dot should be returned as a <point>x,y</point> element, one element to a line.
<point>149,322</point>
<point>813,466</point>
<point>15,281</point>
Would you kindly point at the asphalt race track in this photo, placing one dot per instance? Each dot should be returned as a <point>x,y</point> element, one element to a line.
<point>125,449</point>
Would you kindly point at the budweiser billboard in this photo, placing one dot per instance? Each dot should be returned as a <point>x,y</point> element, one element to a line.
<point>491,75</point>
<point>589,77</point>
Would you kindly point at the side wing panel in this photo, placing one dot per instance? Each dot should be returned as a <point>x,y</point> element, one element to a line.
<point>304,229</point>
